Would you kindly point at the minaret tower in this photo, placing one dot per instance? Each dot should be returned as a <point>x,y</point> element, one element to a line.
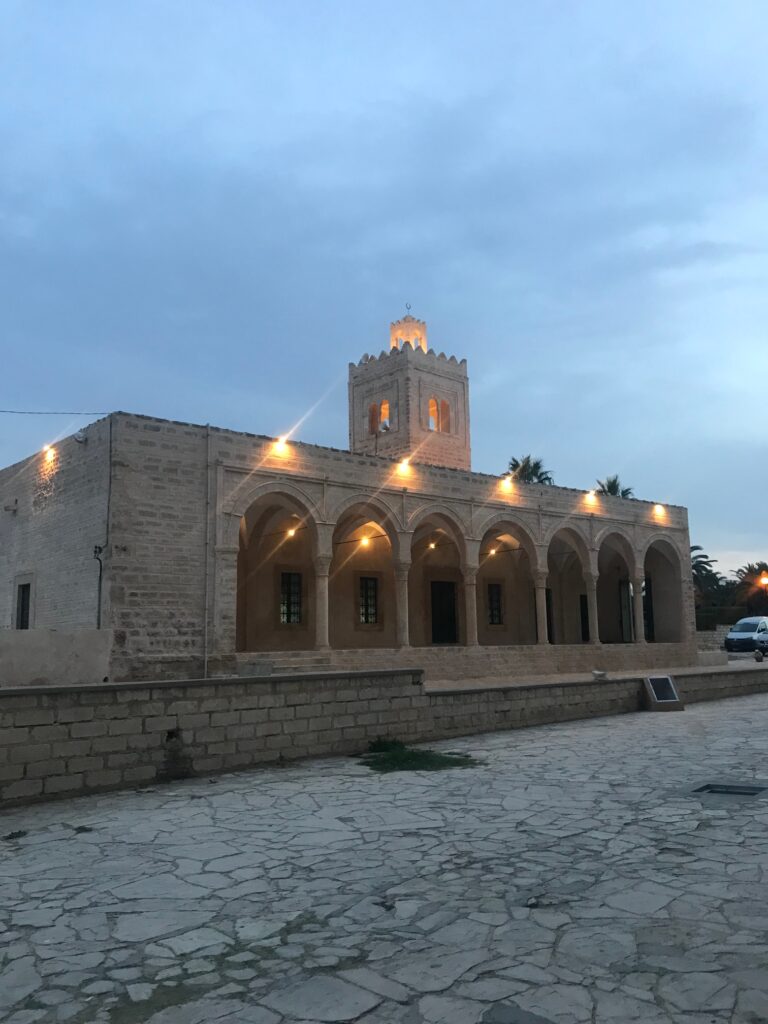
<point>410,402</point>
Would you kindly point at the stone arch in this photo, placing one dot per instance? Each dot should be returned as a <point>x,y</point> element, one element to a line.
<point>506,594</point>
<point>617,574</point>
<point>525,533</point>
<point>362,587</point>
<point>275,595</point>
<point>375,508</point>
<point>248,493</point>
<point>663,600</point>
<point>572,530</point>
<point>451,519</point>
<point>569,562</point>
<point>436,582</point>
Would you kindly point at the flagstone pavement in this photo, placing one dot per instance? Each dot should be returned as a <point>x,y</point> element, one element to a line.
<point>569,877</point>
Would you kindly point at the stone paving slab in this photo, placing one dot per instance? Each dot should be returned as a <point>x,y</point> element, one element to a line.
<point>569,877</point>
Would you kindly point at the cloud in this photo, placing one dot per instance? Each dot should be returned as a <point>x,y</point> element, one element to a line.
<point>206,217</point>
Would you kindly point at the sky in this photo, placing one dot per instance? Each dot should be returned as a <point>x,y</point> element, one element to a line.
<point>207,210</point>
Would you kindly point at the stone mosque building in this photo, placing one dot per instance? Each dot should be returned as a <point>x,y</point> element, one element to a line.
<point>143,548</point>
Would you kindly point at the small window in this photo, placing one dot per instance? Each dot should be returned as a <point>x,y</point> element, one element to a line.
<point>384,414</point>
<point>369,600</point>
<point>495,612</point>
<point>373,419</point>
<point>290,598</point>
<point>23,597</point>
<point>445,417</point>
<point>433,415</point>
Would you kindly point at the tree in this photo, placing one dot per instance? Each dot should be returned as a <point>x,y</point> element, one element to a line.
<point>612,485</point>
<point>528,470</point>
<point>706,579</point>
<point>749,589</point>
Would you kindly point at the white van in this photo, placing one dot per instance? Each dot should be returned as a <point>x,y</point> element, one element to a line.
<point>745,634</point>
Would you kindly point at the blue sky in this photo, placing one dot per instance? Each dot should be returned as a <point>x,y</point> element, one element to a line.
<point>207,210</point>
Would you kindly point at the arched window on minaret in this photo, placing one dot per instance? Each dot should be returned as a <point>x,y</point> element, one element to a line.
<point>433,415</point>
<point>445,417</point>
<point>373,418</point>
<point>384,415</point>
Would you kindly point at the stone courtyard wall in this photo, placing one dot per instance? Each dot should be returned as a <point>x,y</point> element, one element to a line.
<point>64,741</point>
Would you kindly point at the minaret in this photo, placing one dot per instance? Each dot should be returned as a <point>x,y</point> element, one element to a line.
<point>410,401</point>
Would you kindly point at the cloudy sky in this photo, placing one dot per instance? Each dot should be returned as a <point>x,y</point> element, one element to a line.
<point>208,209</point>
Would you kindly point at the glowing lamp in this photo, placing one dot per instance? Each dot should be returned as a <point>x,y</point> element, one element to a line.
<point>403,467</point>
<point>506,483</point>
<point>432,545</point>
<point>659,510</point>
<point>591,498</point>
<point>365,541</point>
<point>292,532</point>
<point>492,551</point>
<point>280,447</point>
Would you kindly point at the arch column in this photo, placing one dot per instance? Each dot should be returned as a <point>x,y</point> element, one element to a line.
<point>638,613</point>
<point>470,604</point>
<point>542,630</point>
<point>401,603</point>
<point>322,569</point>
<point>590,581</point>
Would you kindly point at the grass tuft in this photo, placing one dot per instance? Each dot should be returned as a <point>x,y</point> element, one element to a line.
<point>393,756</point>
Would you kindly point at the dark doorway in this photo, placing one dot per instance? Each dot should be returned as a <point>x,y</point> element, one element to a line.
<point>584,615</point>
<point>444,624</point>
<point>650,629</point>
<point>550,617</point>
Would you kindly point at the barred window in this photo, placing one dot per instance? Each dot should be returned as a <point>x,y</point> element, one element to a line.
<point>369,600</point>
<point>290,598</point>
<point>23,595</point>
<point>495,616</point>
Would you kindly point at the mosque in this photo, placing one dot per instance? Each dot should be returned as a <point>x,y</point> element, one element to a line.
<point>144,548</point>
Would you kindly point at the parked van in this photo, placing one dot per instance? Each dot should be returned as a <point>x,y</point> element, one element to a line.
<point>745,634</point>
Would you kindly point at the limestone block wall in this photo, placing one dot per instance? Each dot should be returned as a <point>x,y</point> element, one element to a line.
<point>55,657</point>
<point>53,511</point>
<point>160,510</point>
<point>711,639</point>
<point>59,741</point>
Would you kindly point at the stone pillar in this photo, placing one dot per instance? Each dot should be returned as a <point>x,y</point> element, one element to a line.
<point>401,601</point>
<point>590,580</point>
<point>322,567</point>
<point>542,631</point>
<point>470,604</point>
<point>637,609</point>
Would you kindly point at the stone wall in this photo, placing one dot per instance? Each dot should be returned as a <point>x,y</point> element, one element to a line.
<point>711,639</point>
<point>56,741</point>
<point>52,657</point>
<point>53,511</point>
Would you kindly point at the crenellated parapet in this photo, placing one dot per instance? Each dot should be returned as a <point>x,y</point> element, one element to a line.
<point>411,401</point>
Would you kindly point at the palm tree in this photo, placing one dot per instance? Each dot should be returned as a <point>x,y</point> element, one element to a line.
<point>612,485</point>
<point>706,579</point>
<point>528,470</point>
<point>749,589</point>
